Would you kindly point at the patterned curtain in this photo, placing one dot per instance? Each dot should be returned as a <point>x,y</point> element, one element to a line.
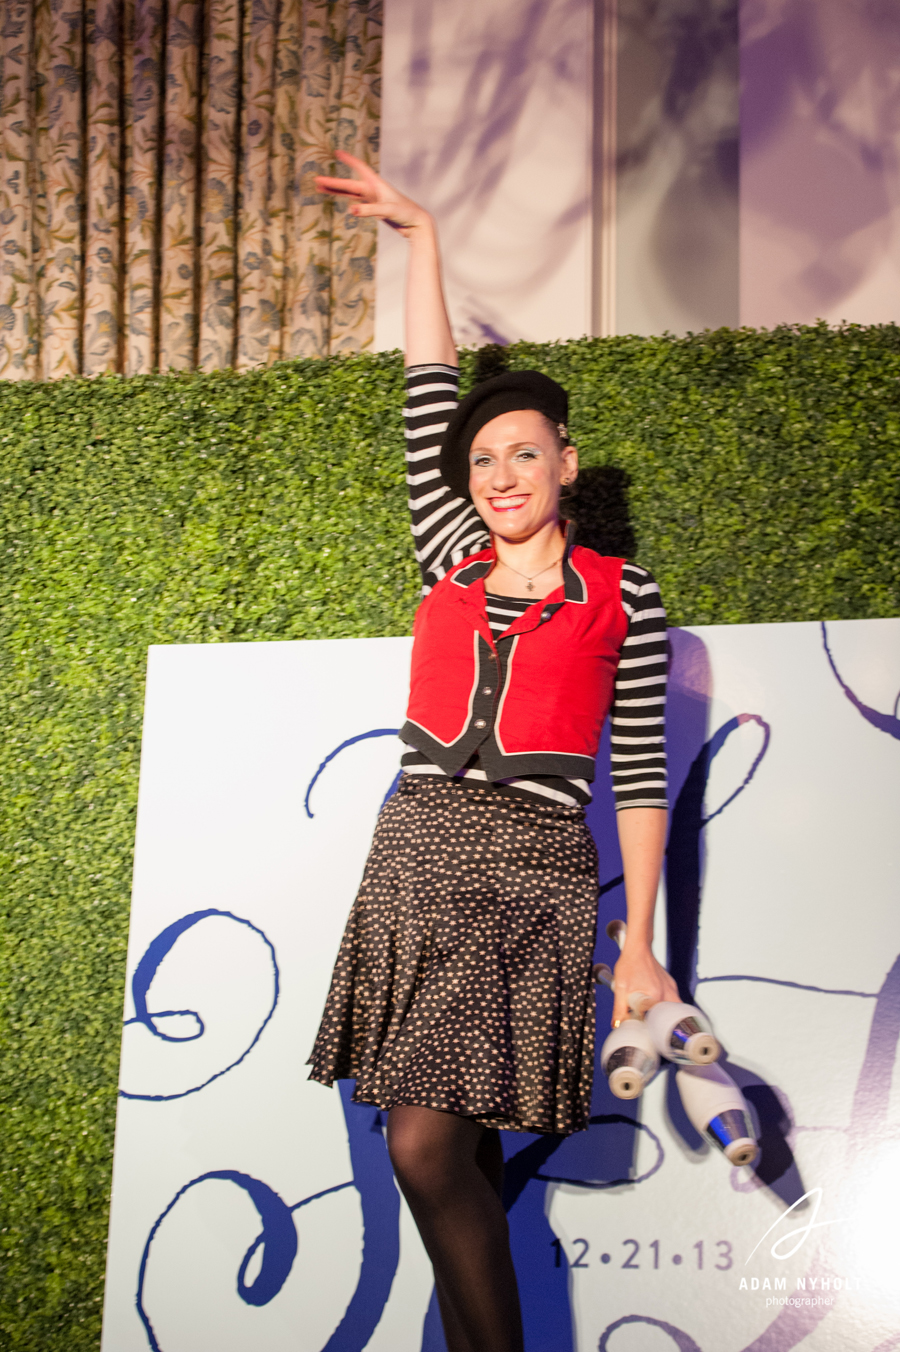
<point>157,206</point>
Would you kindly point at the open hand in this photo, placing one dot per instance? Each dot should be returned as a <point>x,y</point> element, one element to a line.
<point>638,972</point>
<point>374,196</point>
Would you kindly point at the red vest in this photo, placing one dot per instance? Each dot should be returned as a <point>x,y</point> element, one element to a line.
<point>533,702</point>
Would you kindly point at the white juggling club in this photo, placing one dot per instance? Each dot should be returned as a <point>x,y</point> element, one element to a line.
<point>681,1034</point>
<point>718,1110</point>
<point>628,1059</point>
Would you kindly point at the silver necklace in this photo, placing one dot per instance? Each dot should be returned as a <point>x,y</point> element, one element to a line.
<point>529,581</point>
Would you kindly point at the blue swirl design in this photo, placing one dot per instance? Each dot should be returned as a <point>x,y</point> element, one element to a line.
<point>888,723</point>
<point>708,751</point>
<point>278,1237</point>
<point>576,1159</point>
<point>351,741</point>
<point>684,855</point>
<point>146,970</point>
<point>373,1179</point>
<point>682,1341</point>
<point>790,985</point>
<point>715,744</point>
<point>869,1125</point>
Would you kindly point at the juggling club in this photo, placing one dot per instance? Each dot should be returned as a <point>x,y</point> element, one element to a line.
<point>681,1033</point>
<point>628,1059</point>
<point>718,1110</point>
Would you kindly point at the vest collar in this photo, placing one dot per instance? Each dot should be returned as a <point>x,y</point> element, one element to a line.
<point>574,585</point>
<point>475,569</point>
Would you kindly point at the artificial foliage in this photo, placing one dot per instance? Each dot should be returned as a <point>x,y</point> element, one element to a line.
<point>755,473</point>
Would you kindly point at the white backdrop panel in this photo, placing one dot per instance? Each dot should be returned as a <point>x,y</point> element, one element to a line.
<point>252,1208</point>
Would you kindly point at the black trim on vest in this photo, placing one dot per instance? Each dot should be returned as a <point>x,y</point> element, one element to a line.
<point>525,763</point>
<point>452,758</point>
<point>472,572</point>
<point>574,585</point>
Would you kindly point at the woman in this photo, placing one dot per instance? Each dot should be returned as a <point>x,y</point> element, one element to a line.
<point>461,1000</point>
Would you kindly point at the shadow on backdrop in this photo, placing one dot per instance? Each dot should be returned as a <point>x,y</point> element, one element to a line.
<point>604,1156</point>
<point>598,505</point>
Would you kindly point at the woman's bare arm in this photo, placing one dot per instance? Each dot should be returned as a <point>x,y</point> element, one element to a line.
<point>428,335</point>
<point>642,840</point>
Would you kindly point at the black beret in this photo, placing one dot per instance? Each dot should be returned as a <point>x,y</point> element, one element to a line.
<point>506,393</point>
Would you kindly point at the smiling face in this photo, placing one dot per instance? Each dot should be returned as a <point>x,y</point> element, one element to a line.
<point>516,468</point>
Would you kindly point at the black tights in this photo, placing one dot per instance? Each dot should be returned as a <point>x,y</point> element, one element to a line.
<point>450,1170</point>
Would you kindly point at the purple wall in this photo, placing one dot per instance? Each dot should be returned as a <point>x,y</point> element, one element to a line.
<point>820,161</point>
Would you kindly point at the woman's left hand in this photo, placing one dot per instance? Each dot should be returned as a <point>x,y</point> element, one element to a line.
<point>637,973</point>
<point>374,196</point>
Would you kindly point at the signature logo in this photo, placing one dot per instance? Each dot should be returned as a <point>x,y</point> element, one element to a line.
<point>801,1234</point>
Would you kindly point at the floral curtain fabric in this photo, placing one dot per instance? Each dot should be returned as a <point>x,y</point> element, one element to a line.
<point>157,205</point>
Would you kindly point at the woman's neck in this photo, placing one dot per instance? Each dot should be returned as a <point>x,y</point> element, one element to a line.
<point>528,568</point>
<point>539,549</point>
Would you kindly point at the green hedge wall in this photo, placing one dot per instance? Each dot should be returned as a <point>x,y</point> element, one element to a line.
<point>763,474</point>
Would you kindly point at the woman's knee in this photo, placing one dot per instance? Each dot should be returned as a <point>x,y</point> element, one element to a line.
<point>427,1151</point>
<point>416,1162</point>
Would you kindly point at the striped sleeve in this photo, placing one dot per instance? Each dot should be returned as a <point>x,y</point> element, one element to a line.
<point>637,732</point>
<point>446,529</point>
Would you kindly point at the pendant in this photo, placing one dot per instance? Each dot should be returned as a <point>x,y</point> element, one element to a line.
<point>529,586</point>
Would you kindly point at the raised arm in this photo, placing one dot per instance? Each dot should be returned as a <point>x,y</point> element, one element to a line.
<point>428,336</point>
<point>446,529</point>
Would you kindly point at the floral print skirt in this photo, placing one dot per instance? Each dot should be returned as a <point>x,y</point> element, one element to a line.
<point>463,981</point>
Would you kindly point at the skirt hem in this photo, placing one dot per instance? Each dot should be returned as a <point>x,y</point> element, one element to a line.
<point>496,1120</point>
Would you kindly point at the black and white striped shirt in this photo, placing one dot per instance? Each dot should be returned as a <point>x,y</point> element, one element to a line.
<point>447,529</point>
<point>502,611</point>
